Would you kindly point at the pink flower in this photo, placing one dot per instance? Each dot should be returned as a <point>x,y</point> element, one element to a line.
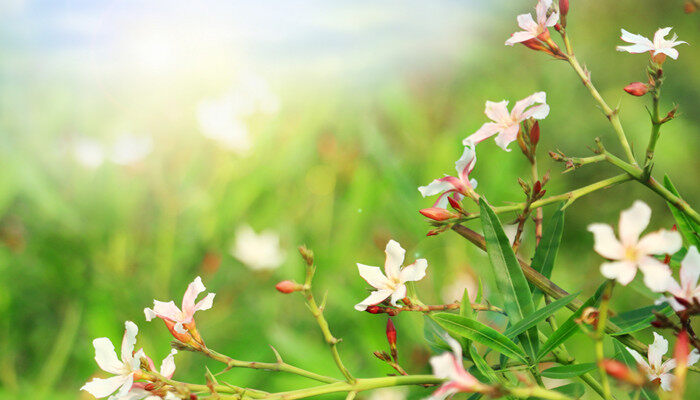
<point>183,320</point>
<point>631,251</point>
<point>139,389</point>
<point>688,290</point>
<point>449,366</point>
<point>655,369</point>
<point>507,124</point>
<point>457,186</point>
<point>125,371</point>
<point>659,47</point>
<point>393,283</point>
<point>532,29</point>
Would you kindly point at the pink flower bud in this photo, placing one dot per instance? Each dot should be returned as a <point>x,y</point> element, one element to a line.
<point>437,213</point>
<point>288,287</point>
<point>563,7</point>
<point>680,353</point>
<point>391,333</point>
<point>535,133</point>
<point>637,88</point>
<point>454,203</point>
<point>374,309</point>
<point>621,372</point>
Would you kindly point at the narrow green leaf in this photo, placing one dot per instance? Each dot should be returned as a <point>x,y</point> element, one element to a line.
<point>482,365</point>
<point>478,332</point>
<point>569,327</point>
<point>465,309</point>
<point>625,356</point>
<point>686,226</point>
<point>479,292</point>
<point>433,335</point>
<point>510,279</point>
<point>546,251</point>
<point>575,390</point>
<point>568,371</point>
<point>636,320</point>
<point>538,316</point>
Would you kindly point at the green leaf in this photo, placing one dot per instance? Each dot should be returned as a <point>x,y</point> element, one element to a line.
<point>538,316</point>
<point>479,292</point>
<point>568,371</point>
<point>482,365</point>
<point>570,326</point>
<point>575,390</point>
<point>433,335</point>
<point>625,356</point>
<point>546,251</point>
<point>465,309</point>
<point>509,277</point>
<point>478,332</point>
<point>686,226</point>
<point>636,320</point>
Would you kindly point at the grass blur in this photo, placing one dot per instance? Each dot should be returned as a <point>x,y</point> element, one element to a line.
<point>335,168</point>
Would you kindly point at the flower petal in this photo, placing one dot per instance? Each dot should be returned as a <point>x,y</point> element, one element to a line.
<point>106,356</point>
<point>398,294</point>
<point>605,242</point>
<point>394,258</point>
<point>129,340</point>
<point>526,23</point>
<point>486,131</point>
<point>374,298</point>
<point>465,164</point>
<point>656,273</point>
<point>414,272</point>
<point>193,290</point>
<point>373,276</point>
<point>660,242</point>
<point>206,303</point>
<point>657,350</point>
<point>690,268</point>
<point>621,271</point>
<point>693,357</point>
<point>104,387</point>
<point>638,357</point>
<point>666,381</point>
<point>633,221</point>
<point>519,37</point>
<point>636,39</point>
<point>167,310</point>
<point>527,108</point>
<point>435,187</point>
<point>444,366</point>
<point>167,367</point>
<point>507,136</point>
<point>497,111</point>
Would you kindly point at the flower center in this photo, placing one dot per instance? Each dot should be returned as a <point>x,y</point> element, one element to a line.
<point>631,253</point>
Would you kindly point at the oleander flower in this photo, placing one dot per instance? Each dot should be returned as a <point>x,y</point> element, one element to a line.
<point>655,368</point>
<point>688,289</point>
<point>659,48</point>
<point>393,284</point>
<point>453,186</point>
<point>258,252</point>
<point>632,252</point>
<point>182,321</point>
<point>449,366</point>
<point>507,124</point>
<point>139,390</point>
<point>125,371</point>
<point>532,29</point>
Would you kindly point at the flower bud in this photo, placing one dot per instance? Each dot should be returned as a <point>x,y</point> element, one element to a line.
<point>438,214</point>
<point>563,7</point>
<point>621,372</point>
<point>637,88</point>
<point>535,133</point>
<point>537,188</point>
<point>382,355</point>
<point>307,255</point>
<point>373,309</point>
<point>454,203</point>
<point>589,316</point>
<point>149,386</point>
<point>288,287</point>
<point>391,333</point>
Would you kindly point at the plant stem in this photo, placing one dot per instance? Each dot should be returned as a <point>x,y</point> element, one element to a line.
<point>428,308</point>
<point>599,335</point>
<point>191,387</point>
<point>539,214</point>
<point>655,130</point>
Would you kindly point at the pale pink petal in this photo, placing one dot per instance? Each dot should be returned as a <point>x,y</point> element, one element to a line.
<point>553,19</point>
<point>167,367</point>
<point>519,37</point>
<point>638,357</point>
<point>414,272</point>
<point>656,273</point>
<point>660,242</point>
<point>206,303</point>
<point>541,10</point>
<point>129,340</point>
<point>104,387</point>
<point>668,365</point>
<point>126,386</point>
<point>635,48</point>
<point>497,111</point>
<point>373,299</point>
<point>193,290</point>
<point>150,314</point>
<point>106,356</point>
<point>465,164</point>
<point>621,271</point>
<point>534,106</point>
<point>690,268</point>
<point>167,310</point>
<point>605,242</point>
<point>444,391</point>
<point>657,350</point>
<point>398,294</point>
<point>435,187</point>
<point>526,23</point>
<point>666,381</point>
<point>507,136</point>
<point>394,258</point>
<point>373,276</point>
<point>486,131</point>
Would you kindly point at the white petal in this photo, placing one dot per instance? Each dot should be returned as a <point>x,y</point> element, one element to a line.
<point>129,340</point>
<point>661,242</point>
<point>497,111</point>
<point>435,187</point>
<point>657,350</point>
<point>193,290</point>
<point>374,298</point>
<point>638,357</point>
<point>398,294</point>
<point>373,276</point>
<point>444,366</point>
<point>553,19</point>
<point>519,37</point>
<point>656,273</point>
<point>605,242</point>
<point>206,303</point>
<point>455,346</point>
<point>668,365</point>
<point>693,357</point>
<point>465,164</point>
<point>394,258</point>
<point>528,107</point>
<point>486,131</point>
<point>621,271</point>
<point>414,272</point>
<point>666,381</point>
<point>150,314</point>
<point>179,327</point>
<point>104,387</point>
<point>528,24</point>
<point>636,39</point>
<point>167,310</point>
<point>126,386</point>
<point>633,221</point>
<point>671,52</point>
<point>167,367</point>
<point>661,33</point>
<point>106,356</point>
<point>635,48</point>
<point>507,136</point>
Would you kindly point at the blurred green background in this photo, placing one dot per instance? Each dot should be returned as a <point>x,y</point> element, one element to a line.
<point>357,111</point>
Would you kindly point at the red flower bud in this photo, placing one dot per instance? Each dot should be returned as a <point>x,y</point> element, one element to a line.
<point>437,213</point>
<point>637,88</point>
<point>391,333</point>
<point>288,287</point>
<point>680,353</point>
<point>563,7</point>
<point>149,386</point>
<point>374,309</point>
<point>537,187</point>
<point>535,133</point>
<point>621,372</point>
<point>454,203</point>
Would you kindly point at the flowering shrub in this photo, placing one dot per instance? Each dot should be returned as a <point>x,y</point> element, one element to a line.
<point>465,347</point>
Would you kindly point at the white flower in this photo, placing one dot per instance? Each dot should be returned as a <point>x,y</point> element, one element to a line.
<point>631,252</point>
<point>660,46</point>
<point>169,312</point>
<point>129,149</point>
<point>506,124</point>
<point>449,366</point>
<point>655,369</point>
<point>393,283</point>
<point>454,186</point>
<point>258,252</point>
<point>138,390</point>
<point>88,153</point>
<point>689,290</point>
<point>124,371</point>
<point>532,29</point>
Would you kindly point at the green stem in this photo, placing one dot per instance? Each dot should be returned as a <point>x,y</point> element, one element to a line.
<point>599,335</point>
<point>655,130</point>
<point>537,392</point>
<point>191,387</point>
